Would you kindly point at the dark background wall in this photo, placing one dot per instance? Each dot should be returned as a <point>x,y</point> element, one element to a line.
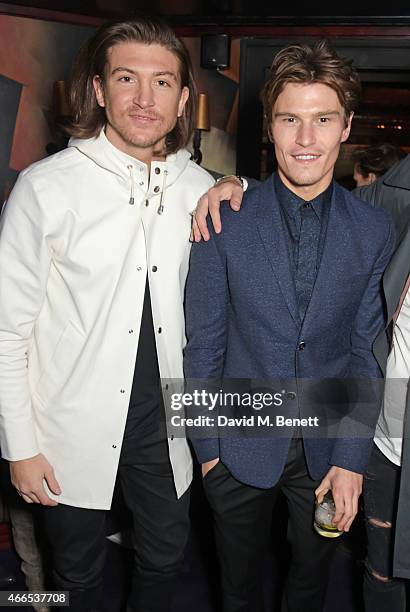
<point>38,41</point>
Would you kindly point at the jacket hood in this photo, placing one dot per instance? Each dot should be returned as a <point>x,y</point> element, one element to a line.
<point>142,180</point>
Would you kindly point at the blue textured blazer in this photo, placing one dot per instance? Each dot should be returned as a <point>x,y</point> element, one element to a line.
<point>242,322</point>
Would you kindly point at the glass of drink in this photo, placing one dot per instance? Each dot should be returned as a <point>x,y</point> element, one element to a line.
<point>324,513</point>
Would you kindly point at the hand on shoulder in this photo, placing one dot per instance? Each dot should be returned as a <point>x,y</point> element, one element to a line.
<point>228,188</point>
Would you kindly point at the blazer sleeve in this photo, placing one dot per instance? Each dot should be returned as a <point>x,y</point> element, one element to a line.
<point>24,267</point>
<point>355,433</point>
<point>206,317</point>
<point>371,315</point>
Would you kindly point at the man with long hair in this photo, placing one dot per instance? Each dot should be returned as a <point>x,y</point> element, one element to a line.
<point>289,293</point>
<point>94,252</point>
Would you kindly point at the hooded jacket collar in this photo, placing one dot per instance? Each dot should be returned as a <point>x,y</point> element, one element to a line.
<point>147,181</point>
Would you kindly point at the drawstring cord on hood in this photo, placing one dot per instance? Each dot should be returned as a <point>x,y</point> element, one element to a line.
<point>164,186</point>
<point>106,156</point>
<point>131,171</point>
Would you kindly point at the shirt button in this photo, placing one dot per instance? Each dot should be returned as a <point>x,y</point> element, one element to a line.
<point>290,395</point>
<point>306,205</point>
<point>146,202</point>
<point>139,268</point>
<point>141,183</point>
<point>156,189</point>
<point>122,390</point>
<point>114,446</point>
<point>159,330</point>
<point>130,331</point>
<point>154,268</point>
<point>172,437</point>
<point>157,170</point>
<point>301,346</point>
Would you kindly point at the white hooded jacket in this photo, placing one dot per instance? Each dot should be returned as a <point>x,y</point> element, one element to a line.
<point>79,234</point>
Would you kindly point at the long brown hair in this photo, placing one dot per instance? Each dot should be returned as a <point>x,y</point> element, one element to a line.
<point>301,63</point>
<point>87,116</point>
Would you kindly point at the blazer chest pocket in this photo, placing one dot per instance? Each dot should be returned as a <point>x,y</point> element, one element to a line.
<point>61,364</point>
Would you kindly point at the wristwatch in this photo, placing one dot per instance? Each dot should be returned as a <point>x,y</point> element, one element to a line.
<point>241,179</point>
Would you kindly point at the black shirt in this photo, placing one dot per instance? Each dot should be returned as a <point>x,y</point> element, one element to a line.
<point>145,405</point>
<point>289,204</point>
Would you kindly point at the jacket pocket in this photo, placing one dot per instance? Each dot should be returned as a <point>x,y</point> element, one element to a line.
<point>61,364</point>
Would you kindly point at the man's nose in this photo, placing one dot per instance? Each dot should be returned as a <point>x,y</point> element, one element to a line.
<point>144,95</point>
<point>306,134</point>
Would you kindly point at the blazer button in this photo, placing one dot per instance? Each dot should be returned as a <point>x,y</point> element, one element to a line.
<point>290,395</point>
<point>154,268</point>
<point>301,345</point>
<point>156,189</point>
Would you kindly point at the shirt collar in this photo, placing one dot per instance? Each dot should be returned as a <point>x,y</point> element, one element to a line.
<point>290,202</point>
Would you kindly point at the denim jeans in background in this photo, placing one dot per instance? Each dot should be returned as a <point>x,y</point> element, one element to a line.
<point>381,490</point>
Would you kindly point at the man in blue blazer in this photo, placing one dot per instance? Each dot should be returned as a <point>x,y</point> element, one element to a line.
<point>290,291</point>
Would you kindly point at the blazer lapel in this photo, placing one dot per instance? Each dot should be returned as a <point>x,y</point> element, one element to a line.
<point>336,242</point>
<point>270,228</point>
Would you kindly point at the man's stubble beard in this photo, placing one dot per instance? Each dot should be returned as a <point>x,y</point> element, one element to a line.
<point>301,181</point>
<point>150,141</point>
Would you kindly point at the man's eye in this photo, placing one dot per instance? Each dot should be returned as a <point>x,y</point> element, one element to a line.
<point>290,119</point>
<point>163,83</point>
<point>324,119</point>
<point>125,79</point>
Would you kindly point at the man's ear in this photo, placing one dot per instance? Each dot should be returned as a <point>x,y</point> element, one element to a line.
<point>99,90</point>
<point>346,131</point>
<point>183,100</point>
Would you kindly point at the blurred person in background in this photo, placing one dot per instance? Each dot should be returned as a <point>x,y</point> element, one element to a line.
<point>370,163</point>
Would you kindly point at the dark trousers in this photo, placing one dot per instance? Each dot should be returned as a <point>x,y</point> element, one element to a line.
<point>160,531</point>
<point>382,592</point>
<point>242,518</point>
